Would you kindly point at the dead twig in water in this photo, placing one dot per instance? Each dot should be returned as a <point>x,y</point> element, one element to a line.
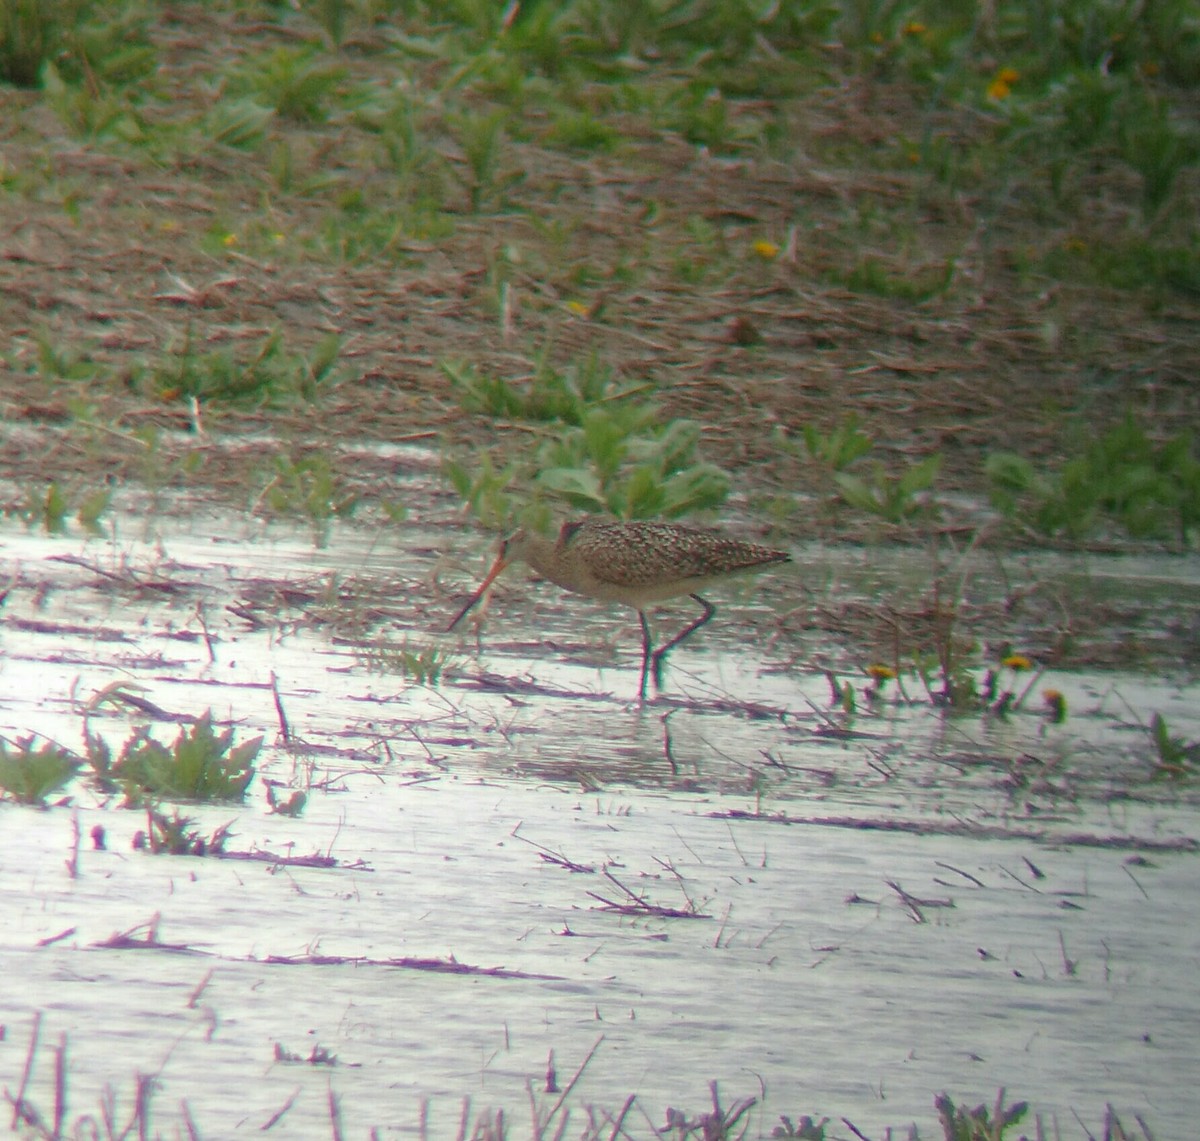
<point>958,871</point>
<point>73,858</point>
<point>540,1126</point>
<point>914,904</point>
<point>21,1108</point>
<point>285,732</point>
<point>553,857</point>
<point>636,905</point>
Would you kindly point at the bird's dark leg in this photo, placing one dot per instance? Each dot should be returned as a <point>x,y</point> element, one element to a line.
<point>645,656</point>
<point>656,658</point>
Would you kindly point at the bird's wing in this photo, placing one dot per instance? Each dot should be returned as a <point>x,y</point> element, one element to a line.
<point>643,553</point>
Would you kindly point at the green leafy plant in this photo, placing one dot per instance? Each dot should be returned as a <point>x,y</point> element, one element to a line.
<point>603,466</point>
<point>241,123</point>
<point>1151,490</point>
<point>839,448</point>
<point>485,491</point>
<point>482,140</point>
<point>582,131</point>
<point>961,1124</point>
<point>201,766</point>
<point>294,81</point>
<point>550,394</point>
<point>29,775</point>
<point>311,488</point>
<point>1176,756</point>
<point>175,835</point>
<point>107,44</point>
<point>893,496</point>
<point>1157,148</point>
<point>270,374</point>
<point>50,509</point>
<point>872,275</point>
<point>423,664</point>
<point>31,32</point>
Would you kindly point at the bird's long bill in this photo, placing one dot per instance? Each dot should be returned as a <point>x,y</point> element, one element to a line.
<point>500,563</point>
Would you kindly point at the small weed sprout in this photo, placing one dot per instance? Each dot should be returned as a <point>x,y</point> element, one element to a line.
<point>175,835</point>
<point>310,488</point>
<point>838,449</point>
<point>292,81</point>
<point>896,497</point>
<point>293,806</point>
<point>423,664</point>
<point>1175,756</point>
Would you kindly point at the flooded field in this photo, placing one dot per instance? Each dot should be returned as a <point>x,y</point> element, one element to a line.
<point>527,876</point>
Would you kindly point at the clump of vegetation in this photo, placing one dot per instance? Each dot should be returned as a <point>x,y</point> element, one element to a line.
<point>202,766</point>
<point>292,806</point>
<point>176,835</point>
<point>296,82</point>
<point>310,488</point>
<point>51,509</point>
<point>29,774</point>
<point>269,375</point>
<point>842,461</point>
<point>550,394</point>
<point>608,448</point>
<point>978,1124</point>
<point>1175,757</point>
<point>104,42</point>
<point>1150,490</point>
<point>423,664</point>
<point>608,465</point>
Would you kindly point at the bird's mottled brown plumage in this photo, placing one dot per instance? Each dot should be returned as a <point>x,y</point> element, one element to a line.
<point>637,563</point>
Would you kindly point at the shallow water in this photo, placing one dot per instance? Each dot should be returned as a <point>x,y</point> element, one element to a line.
<point>1046,942</point>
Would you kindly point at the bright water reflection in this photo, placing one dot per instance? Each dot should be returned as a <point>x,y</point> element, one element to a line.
<point>994,926</point>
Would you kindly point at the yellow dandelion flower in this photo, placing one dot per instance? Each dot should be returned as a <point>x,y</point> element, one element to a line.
<point>766,250</point>
<point>229,241</point>
<point>1001,85</point>
<point>880,672</point>
<point>1017,662</point>
<point>578,308</point>
<point>914,28</point>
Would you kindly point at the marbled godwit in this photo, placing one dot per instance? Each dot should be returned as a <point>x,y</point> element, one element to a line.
<point>634,563</point>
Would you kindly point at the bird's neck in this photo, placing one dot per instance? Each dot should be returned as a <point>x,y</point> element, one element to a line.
<point>545,557</point>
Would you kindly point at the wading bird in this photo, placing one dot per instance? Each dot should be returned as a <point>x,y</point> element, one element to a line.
<point>638,564</point>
